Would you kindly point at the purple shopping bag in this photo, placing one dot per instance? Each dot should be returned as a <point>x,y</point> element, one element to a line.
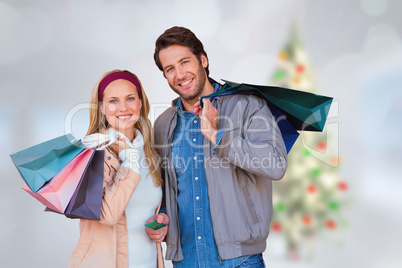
<point>86,201</point>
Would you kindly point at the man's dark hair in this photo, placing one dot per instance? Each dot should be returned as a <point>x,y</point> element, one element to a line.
<point>183,37</point>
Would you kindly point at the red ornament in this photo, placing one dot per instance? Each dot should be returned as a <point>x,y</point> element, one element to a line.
<point>276,226</point>
<point>300,68</point>
<point>307,220</point>
<point>330,224</point>
<point>343,186</point>
<point>311,189</point>
<point>321,146</point>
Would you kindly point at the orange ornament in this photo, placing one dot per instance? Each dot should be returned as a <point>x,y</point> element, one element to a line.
<point>283,55</point>
<point>335,160</point>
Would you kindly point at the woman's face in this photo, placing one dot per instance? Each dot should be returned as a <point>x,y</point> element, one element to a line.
<point>121,106</point>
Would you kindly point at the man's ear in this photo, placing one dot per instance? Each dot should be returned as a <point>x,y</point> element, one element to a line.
<point>204,61</point>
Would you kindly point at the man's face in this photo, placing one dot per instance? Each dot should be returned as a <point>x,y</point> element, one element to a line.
<point>184,73</point>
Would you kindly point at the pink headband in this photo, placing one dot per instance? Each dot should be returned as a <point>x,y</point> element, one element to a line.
<point>115,76</point>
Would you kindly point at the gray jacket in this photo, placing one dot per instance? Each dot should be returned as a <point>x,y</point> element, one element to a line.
<point>239,175</point>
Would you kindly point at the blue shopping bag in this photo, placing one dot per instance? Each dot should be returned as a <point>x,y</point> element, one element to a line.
<point>39,163</point>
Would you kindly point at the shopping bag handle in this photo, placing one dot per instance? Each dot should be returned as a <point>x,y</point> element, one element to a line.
<point>94,140</point>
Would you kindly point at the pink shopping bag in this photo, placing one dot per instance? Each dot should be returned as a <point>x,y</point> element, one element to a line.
<point>56,193</point>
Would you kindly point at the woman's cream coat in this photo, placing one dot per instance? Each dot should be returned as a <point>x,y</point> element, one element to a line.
<point>104,243</point>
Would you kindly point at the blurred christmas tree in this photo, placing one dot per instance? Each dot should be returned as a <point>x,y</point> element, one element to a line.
<point>310,197</point>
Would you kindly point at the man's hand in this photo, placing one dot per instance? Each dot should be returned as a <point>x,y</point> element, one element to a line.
<point>158,235</point>
<point>209,119</point>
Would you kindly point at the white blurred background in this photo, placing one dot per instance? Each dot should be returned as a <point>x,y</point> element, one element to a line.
<point>53,52</point>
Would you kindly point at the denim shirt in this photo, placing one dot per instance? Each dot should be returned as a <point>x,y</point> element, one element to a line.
<point>196,230</point>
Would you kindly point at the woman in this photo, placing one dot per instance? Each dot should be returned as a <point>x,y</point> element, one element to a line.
<point>132,185</point>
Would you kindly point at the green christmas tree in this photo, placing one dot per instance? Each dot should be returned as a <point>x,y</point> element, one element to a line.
<point>311,196</point>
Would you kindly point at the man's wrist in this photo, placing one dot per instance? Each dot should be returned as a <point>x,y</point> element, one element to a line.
<point>219,136</point>
<point>214,135</point>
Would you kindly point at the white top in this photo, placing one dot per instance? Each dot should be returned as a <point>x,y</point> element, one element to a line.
<point>141,206</point>
<point>143,202</point>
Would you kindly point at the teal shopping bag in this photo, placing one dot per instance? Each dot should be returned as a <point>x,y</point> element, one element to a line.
<point>304,110</point>
<point>293,110</point>
<point>39,163</point>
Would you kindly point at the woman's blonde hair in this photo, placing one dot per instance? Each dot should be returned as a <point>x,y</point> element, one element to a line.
<point>99,124</point>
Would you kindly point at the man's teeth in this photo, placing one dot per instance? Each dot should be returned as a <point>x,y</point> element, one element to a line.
<point>186,83</point>
<point>124,117</point>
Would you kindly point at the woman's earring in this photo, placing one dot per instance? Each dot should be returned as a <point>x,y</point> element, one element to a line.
<point>138,122</point>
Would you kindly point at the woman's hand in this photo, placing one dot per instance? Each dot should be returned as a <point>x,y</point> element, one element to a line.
<point>119,145</point>
<point>130,157</point>
<point>158,235</point>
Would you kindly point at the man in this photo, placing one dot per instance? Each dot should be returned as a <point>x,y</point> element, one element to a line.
<point>218,163</point>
